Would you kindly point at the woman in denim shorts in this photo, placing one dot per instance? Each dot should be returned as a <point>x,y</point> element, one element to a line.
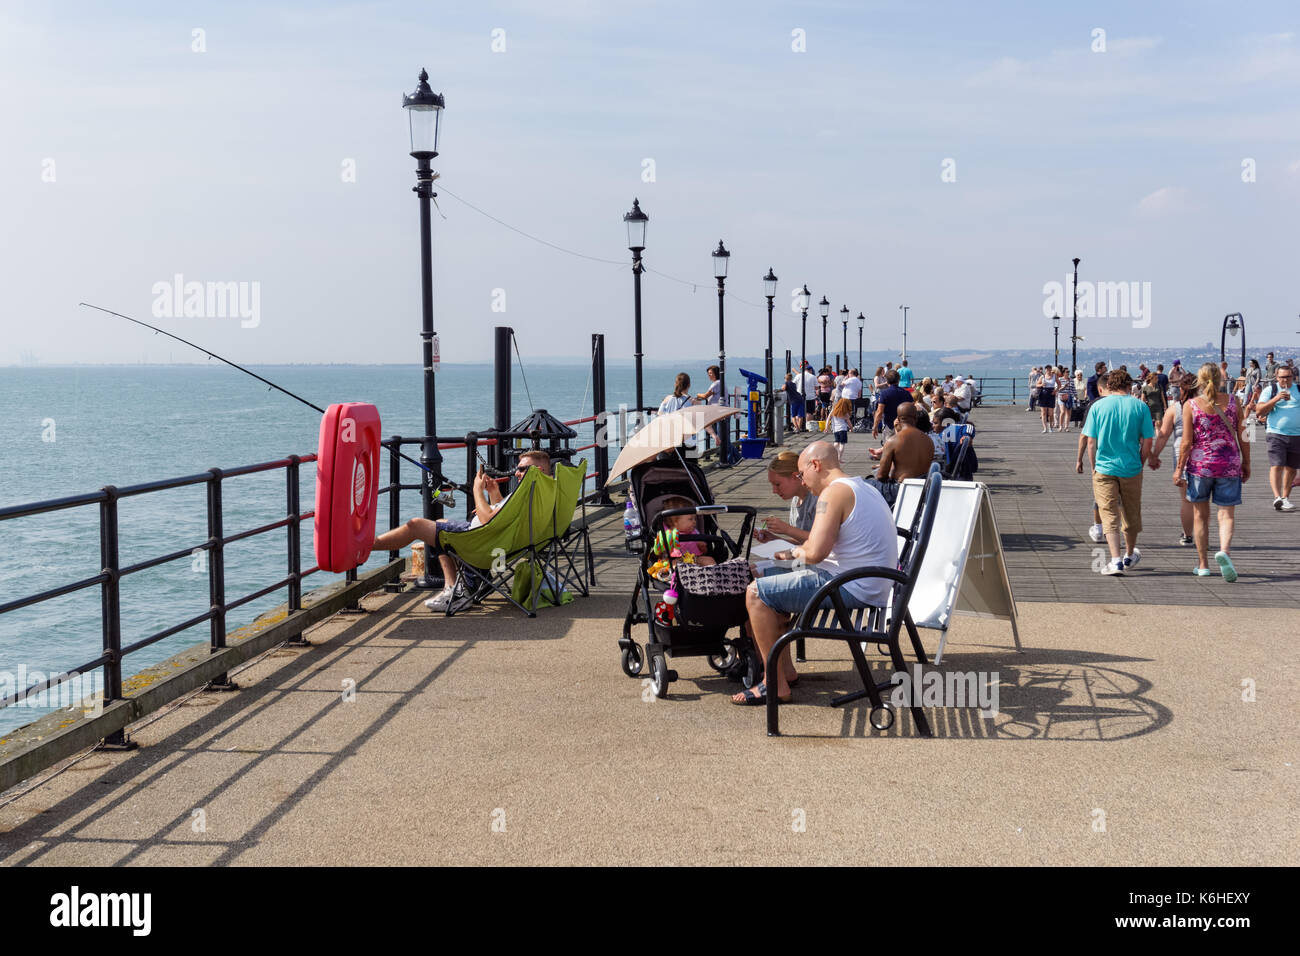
<point>1215,460</point>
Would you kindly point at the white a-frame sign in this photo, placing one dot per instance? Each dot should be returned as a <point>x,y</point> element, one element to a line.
<point>963,571</point>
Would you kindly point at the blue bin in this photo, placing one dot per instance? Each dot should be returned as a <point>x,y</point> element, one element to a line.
<point>752,447</point>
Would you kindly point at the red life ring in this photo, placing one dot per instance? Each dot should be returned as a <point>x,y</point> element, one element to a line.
<point>347,485</point>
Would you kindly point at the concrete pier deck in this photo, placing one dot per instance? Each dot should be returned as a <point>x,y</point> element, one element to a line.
<point>1124,735</point>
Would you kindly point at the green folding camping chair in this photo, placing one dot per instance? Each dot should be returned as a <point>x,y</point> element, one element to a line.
<point>526,552</point>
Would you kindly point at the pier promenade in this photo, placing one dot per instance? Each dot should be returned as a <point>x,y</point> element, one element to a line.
<point>1149,720</point>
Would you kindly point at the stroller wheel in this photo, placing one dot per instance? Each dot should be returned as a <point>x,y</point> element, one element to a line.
<point>888,719</point>
<point>632,660</point>
<point>659,668</point>
<point>721,662</point>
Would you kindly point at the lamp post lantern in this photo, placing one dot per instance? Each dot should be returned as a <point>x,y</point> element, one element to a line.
<point>769,290</point>
<point>424,111</point>
<point>904,308</point>
<point>1233,322</point>
<point>636,222</point>
<point>862,322</point>
<point>825,307</point>
<point>720,259</point>
<point>805,300</point>
<point>1056,340</point>
<point>1074,333</point>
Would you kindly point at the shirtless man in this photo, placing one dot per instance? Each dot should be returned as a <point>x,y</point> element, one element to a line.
<point>907,455</point>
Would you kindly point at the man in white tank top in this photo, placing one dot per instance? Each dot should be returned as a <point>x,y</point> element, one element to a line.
<point>853,528</point>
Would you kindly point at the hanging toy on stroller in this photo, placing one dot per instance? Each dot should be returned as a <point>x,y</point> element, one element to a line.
<point>664,614</point>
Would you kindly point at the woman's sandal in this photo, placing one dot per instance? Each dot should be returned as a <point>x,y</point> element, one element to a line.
<point>751,699</point>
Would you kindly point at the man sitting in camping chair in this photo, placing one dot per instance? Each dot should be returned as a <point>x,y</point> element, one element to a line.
<point>488,500</point>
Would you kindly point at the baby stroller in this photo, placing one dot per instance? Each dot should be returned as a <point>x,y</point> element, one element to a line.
<point>709,616</point>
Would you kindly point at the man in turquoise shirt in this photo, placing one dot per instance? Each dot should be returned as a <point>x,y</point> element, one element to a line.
<point>904,376</point>
<point>1282,407</point>
<point>1119,433</point>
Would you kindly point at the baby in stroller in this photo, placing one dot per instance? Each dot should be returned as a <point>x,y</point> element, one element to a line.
<point>667,543</point>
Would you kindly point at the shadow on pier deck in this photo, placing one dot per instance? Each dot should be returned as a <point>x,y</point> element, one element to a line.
<point>490,739</point>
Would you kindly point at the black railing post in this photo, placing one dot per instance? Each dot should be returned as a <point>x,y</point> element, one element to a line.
<point>295,534</point>
<point>111,611</point>
<point>600,428</point>
<point>394,496</point>
<point>471,461</point>
<point>217,575</point>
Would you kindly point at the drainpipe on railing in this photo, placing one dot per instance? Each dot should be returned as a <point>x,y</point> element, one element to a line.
<point>111,616</point>
<point>600,425</point>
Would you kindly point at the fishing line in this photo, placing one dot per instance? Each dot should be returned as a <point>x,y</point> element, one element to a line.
<point>438,479</point>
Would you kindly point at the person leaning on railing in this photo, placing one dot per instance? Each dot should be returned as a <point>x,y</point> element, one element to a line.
<point>488,500</point>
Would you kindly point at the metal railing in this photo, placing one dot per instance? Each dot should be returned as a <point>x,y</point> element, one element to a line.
<point>109,579</point>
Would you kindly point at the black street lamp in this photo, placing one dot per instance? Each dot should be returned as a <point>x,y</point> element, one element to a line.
<point>769,290</point>
<point>720,259</point>
<point>1233,322</point>
<point>862,323</point>
<point>844,321</point>
<point>1056,340</point>
<point>805,300</point>
<point>636,221</point>
<point>1074,334</point>
<point>826,311</point>
<point>424,110</point>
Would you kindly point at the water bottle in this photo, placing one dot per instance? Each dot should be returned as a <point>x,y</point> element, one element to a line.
<point>631,521</point>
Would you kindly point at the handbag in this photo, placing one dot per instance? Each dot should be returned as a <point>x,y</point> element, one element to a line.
<point>727,579</point>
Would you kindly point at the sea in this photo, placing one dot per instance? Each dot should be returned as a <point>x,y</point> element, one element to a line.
<point>74,429</point>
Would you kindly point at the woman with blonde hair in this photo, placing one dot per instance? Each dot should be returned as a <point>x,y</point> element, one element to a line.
<point>787,483</point>
<point>1215,459</point>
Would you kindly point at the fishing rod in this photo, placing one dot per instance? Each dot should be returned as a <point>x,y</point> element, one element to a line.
<point>439,480</point>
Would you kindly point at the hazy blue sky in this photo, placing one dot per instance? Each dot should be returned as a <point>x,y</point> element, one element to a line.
<point>227,166</point>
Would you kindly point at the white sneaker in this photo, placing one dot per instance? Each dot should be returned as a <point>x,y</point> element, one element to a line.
<point>1277,503</point>
<point>1131,561</point>
<point>1114,567</point>
<point>440,600</point>
<point>1286,505</point>
<point>1044,429</point>
<point>1097,534</point>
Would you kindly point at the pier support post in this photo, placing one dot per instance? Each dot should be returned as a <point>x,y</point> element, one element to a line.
<point>601,429</point>
<point>501,391</point>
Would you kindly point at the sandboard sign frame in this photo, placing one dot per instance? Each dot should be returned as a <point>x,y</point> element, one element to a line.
<point>953,577</point>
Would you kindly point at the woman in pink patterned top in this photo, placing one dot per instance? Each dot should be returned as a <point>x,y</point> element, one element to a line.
<point>1215,459</point>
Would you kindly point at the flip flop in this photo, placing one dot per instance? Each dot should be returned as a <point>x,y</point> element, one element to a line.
<point>751,699</point>
<point>1226,567</point>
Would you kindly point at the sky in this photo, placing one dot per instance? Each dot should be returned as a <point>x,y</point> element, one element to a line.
<point>949,156</point>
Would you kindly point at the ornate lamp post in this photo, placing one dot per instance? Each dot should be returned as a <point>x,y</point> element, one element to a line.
<point>1074,333</point>
<point>862,323</point>
<point>424,111</point>
<point>825,307</point>
<point>844,321</point>
<point>1056,340</point>
<point>1232,323</point>
<point>805,299</point>
<point>636,222</point>
<point>720,259</point>
<point>904,308</point>
<point>769,290</point>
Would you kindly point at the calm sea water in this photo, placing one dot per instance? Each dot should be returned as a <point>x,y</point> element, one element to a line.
<point>68,431</point>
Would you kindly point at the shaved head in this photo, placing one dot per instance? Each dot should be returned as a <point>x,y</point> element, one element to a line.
<point>819,464</point>
<point>907,413</point>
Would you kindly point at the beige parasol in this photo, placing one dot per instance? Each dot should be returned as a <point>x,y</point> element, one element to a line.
<point>666,432</point>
